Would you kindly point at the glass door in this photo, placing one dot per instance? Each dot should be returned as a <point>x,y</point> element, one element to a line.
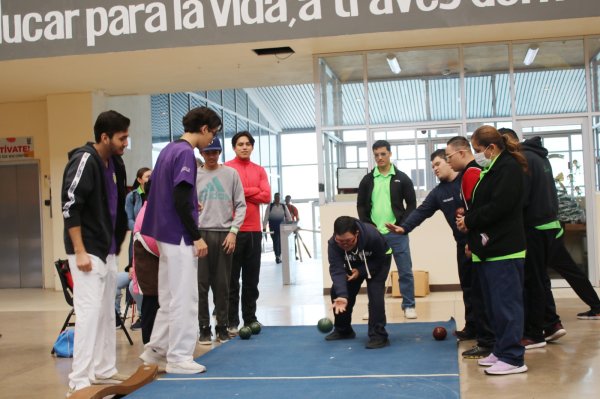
<point>570,151</point>
<point>330,163</point>
<point>411,151</point>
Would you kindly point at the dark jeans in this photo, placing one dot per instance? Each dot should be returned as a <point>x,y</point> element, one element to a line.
<point>502,285</point>
<point>483,329</point>
<point>563,263</point>
<point>149,308</point>
<point>214,272</point>
<point>465,268</point>
<point>246,263</point>
<point>539,246</point>
<point>376,295</point>
<point>276,237</point>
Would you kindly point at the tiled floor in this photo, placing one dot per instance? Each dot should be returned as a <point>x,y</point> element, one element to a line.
<point>30,320</point>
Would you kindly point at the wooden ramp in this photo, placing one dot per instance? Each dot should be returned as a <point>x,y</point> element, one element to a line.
<point>143,375</point>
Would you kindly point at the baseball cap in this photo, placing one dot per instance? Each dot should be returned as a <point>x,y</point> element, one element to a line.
<point>215,145</point>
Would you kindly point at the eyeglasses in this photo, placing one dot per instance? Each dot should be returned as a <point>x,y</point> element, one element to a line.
<point>448,156</point>
<point>346,242</point>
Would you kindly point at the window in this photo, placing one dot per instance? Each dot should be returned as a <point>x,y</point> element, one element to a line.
<point>554,81</point>
<point>427,88</point>
<point>342,90</point>
<point>487,81</point>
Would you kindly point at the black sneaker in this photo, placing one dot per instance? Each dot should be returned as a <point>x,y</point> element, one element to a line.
<point>589,315</point>
<point>378,342</point>
<point>335,335</point>
<point>477,352</point>
<point>464,335</point>
<point>222,333</point>
<point>555,332</point>
<point>205,335</point>
<point>137,325</point>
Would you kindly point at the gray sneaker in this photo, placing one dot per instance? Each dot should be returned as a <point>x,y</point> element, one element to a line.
<point>205,335</point>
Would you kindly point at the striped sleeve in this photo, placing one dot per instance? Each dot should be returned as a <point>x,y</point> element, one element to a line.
<point>74,185</point>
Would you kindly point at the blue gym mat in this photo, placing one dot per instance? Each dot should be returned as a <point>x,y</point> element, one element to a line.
<point>296,362</point>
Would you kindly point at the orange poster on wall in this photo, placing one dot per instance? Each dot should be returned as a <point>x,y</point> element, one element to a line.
<point>16,147</point>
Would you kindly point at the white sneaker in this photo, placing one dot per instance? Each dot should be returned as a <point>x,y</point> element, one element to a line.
<point>116,378</point>
<point>232,331</point>
<point>488,361</point>
<point>189,367</point>
<point>501,368</point>
<point>410,313</point>
<point>149,356</point>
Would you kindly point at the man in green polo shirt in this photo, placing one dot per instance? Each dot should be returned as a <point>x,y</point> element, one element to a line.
<point>387,196</point>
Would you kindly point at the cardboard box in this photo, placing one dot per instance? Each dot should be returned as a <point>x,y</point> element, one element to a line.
<point>421,283</point>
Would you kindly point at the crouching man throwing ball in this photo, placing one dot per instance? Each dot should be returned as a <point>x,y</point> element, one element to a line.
<point>357,251</point>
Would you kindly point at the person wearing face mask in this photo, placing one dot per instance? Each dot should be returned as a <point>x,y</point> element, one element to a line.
<point>357,252</point>
<point>496,238</point>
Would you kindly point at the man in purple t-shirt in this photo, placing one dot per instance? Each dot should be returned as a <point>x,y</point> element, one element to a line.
<point>171,218</point>
<point>93,201</point>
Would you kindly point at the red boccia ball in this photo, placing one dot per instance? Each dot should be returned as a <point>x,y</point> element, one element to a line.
<point>439,333</point>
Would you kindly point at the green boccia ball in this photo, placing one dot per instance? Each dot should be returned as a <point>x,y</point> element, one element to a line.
<point>255,326</point>
<point>325,325</point>
<point>245,332</point>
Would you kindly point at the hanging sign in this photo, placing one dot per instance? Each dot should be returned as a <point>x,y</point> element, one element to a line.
<point>34,28</point>
<point>16,147</point>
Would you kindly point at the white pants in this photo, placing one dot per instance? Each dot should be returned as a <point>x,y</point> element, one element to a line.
<point>175,330</point>
<point>94,352</point>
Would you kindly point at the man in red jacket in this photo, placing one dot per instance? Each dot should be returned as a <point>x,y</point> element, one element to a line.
<point>246,257</point>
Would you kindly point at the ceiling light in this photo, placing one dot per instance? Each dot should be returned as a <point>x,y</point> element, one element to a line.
<point>393,63</point>
<point>531,53</point>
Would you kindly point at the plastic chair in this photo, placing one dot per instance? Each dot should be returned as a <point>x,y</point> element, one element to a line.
<point>66,281</point>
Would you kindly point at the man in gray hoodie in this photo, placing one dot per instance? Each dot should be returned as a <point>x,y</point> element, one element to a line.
<point>222,212</point>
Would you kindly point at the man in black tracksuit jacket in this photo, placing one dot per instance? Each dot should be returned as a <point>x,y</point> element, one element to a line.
<point>357,251</point>
<point>93,209</point>
<point>88,207</point>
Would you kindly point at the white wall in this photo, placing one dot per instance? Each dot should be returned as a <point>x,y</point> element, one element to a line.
<point>138,109</point>
<point>63,122</point>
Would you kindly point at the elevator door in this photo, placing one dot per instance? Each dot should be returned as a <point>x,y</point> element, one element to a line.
<point>20,226</point>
